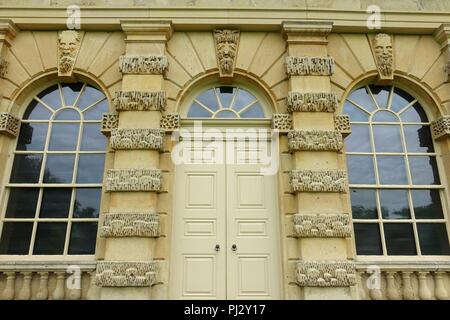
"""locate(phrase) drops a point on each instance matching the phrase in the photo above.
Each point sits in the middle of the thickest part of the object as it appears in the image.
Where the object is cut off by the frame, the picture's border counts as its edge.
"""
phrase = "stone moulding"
(140, 101)
(342, 124)
(143, 64)
(326, 273)
(312, 102)
(170, 121)
(69, 43)
(309, 66)
(133, 180)
(126, 274)
(9, 125)
(322, 225)
(110, 121)
(282, 122)
(3, 67)
(226, 44)
(137, 139)
(315, 140)
(130, 224)
(318, 180)
(441, 127)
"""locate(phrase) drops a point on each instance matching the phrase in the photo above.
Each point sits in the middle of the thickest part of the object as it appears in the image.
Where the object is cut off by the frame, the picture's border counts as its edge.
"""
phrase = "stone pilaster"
(131, 227)
(321, 224)
(442, 36)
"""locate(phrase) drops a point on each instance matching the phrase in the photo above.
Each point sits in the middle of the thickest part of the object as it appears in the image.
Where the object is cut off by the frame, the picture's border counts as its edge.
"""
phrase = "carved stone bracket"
(126, 274)
(130, 224)
(315, 140)
(312, 102)
(326, 273)
(318, 180)
(226, 44)
(309, 66)
(133, 180)
(110, 121)
(3, 67)
(282, 122)
(384, 56)
(170, 122)
(440, 128)
(342, 124)
(69, 42)
(143, 64)
(322, 225)
(9, 125)
(140, 101)
(137, 139)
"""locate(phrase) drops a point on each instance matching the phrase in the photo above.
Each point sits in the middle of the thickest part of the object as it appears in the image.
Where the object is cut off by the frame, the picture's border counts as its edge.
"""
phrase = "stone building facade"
(94, 204)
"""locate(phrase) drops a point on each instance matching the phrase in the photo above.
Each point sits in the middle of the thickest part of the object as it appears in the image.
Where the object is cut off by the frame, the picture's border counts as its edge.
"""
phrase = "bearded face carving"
(384, 55)
(68, 45)
(227, 42)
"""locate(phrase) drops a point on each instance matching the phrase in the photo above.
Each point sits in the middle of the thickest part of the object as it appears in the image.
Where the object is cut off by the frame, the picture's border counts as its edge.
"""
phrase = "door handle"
(234, 247)
(217, 248)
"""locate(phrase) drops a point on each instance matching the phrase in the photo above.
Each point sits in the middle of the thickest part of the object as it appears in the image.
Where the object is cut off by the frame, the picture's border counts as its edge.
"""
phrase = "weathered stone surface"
(314, 66)
(140, 101)
(170, 121)
(137, 139)
(133, 180)
(143, 64)
(318, 180)
(312, 102)
(322, 225)
(110, 121)
(130, 224)
(282, 122)
(9, 125)
(69, 42)
(342, 124)
(441, 127)
(315, 140)
(326, 273)
(125, 274)
(226, 43)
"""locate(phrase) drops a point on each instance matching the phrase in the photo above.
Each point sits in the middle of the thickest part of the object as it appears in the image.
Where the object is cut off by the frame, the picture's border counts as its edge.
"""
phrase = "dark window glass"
(360, 169)
(400, 99)
(399, 239)
(226, 95)
(433, 239)
(209, 99)
(414, 113)
(427, 204)
(363, 99)
(364, 204)
(26, 168)
(50, 238)
(70, 92)
(355, 113)
(87, 203)
(381, 95)
(367, 238)
(387, 138)
(22, 202)
(359, 140)
(418, 138)
(424, 170)
(89, 96)
(391, 170)
(32, 136)
(67, 114)
(64, 136)
(90, 168)
(59, 168)
(16, 237)
(93, 139)
(55, 203)
(394, 204)
(37, 111)
(96, 112)
(82, 238)
(51, 97)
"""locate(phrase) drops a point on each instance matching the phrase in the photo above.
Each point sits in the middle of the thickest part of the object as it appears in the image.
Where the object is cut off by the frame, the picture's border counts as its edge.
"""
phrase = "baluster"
(408, 293)
(75, 293)
(9, 291)
(93, 291)
(42, 293)
(361, 291)
(25, 291)
(58, 293)
(374, 285)
(440, 291)
(424, 291)
(391, 290)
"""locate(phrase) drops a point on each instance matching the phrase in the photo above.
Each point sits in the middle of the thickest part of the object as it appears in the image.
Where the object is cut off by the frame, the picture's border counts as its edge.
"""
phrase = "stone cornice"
(147, 31)
(306, 32)
(8, 31)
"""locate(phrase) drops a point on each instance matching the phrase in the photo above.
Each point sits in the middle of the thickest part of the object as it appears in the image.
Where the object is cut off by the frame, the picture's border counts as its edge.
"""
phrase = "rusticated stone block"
(110, 121)
(133, 180)
(137, 139)
(326, 273)
(9, 125)
(315, 140)
(441, 127)
(130, 224)
(140, 101)
(322, 225)
(312, 102)
(342, 124)
(282, 122)
(318, 180)
(126, 274)
(305, 66)
(143, 64)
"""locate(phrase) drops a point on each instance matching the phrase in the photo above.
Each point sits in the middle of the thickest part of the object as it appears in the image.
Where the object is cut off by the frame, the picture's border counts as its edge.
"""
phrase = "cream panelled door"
(225, 233)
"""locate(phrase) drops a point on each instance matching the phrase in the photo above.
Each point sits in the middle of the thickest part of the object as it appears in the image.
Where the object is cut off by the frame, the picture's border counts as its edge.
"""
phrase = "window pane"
(16, 237)
(22, 202)
(55, 203)
(87, 203)
(255, 111)
(427, 204)
(399, 239)
(400, 99)
(367, 238)
(32, 136)
(414, 113)
(50, 238)
(82, 238)
(93, 139)
(355, 113)
(387, 138)
(394, 204)
(67, 114)
(70, 92)
(226, 95)
(363, 99)
(36, 111)
(381, 95)
(59, 168)
(418, 138)
(384, 116)
(243, 98)
(424, 170)
(96, 112)
(64, 136)
(26, 168)
(209, 99)
(89, 96)
(364, 204)
(90, 168)
(51, 97)
(433, 239)
(391, 170)
(360, 169)
(359, 140)
(197, 111)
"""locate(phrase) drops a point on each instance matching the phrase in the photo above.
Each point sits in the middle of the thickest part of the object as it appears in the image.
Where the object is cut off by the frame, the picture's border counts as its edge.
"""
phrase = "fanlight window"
(53, 194)
(226, 102)
(396, 190)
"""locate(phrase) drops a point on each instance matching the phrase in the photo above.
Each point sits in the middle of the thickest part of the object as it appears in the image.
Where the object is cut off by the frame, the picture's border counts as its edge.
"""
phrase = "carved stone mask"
(68, 41)
(383, 46)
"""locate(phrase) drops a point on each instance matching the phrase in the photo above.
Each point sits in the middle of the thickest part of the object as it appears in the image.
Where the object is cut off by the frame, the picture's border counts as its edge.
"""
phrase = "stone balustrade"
(403, 281)
(48, 281)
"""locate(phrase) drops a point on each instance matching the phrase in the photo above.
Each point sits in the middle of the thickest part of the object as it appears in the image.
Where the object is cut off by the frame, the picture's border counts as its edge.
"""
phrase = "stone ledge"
(133, 180)
(309, 66)
(322, 225)
(140, 101)
(126, 274)
(9, 125)
(315, 140)
(130, 224)
(143, 64)
(312, 102)
(440, 128)
(318, 180)
(326, 273)
(137, 139)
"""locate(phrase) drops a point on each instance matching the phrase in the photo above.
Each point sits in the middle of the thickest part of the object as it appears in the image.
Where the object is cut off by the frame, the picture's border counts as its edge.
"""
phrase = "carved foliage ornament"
(68, 47)
(133, 180)
(318, 180)
(9, 125)
(326, 274)
(282, 122)
(130, 224)
(3, 67)
(126, 274)
(309, 66)
(140, 100)
(322, 225)
(137, 139)
(384, 56)
(441, 127)
(227, 43)
(143, 64)
(315, 140)
(312, 102)
(110, 121)
(170, 121)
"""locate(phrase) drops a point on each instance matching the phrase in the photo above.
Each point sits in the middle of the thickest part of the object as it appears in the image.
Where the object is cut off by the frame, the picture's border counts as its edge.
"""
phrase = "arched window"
(226, 102)
(53, 193)
(397, 195)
